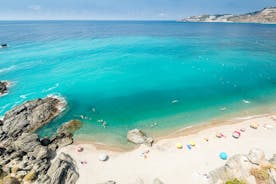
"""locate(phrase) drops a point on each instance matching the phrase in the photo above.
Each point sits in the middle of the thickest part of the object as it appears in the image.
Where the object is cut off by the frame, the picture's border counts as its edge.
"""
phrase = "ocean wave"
(51, 88)
(4, 107)
(8, 69)
(63, 103)
(24, 96)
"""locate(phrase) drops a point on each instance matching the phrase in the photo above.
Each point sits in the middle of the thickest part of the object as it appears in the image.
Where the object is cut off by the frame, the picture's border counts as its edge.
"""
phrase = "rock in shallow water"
(3, 87)
(136, 136)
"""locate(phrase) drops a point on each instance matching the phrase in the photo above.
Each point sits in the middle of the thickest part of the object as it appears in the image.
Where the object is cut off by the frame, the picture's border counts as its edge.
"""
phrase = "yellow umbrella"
(192, 143)
(179, 145)
(254, 125)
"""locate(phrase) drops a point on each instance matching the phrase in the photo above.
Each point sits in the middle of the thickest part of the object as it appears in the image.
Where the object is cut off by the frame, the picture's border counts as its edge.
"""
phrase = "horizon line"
(89, 20)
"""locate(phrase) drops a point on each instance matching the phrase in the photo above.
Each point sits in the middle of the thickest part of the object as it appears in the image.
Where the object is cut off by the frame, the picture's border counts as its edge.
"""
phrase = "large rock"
(29, 117)
(252, 168)
(64, 135)
(237, 166)
(256, 156)
(62, 171)
(3, 87)
(136, 136)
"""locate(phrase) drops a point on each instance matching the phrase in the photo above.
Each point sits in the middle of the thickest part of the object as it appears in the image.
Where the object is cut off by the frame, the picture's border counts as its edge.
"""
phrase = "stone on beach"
(136, 136)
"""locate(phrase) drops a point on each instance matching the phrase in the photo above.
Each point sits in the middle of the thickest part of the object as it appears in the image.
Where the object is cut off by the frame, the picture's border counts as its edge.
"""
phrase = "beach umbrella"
(223, 156)
(236, 134)
(179, 146)
(192, 143)
(220, 135)
(254, 126)
(103, 157)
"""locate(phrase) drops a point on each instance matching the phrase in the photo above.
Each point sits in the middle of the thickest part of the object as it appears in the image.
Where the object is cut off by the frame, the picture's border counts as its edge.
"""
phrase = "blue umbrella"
(223, 156)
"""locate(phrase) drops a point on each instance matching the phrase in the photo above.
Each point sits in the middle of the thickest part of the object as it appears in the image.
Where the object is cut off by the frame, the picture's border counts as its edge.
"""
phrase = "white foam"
(51, 88)
(62, 102)
(4, 70)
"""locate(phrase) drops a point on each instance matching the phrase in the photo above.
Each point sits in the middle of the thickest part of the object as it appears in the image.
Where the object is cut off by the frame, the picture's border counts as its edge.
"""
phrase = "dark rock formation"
(138, 137)
(3, 87)
(26, 157)
(252, 168)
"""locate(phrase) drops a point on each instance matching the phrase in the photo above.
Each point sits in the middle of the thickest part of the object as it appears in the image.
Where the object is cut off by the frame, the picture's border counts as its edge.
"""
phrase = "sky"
(123, 9)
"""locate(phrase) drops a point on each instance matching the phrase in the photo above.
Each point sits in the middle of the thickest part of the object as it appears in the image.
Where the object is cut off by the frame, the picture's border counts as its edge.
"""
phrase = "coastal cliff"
(26, 158)
(266, 15)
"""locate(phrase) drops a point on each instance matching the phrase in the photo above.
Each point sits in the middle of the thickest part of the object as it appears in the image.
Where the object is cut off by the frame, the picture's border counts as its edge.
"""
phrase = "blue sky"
(123, 9)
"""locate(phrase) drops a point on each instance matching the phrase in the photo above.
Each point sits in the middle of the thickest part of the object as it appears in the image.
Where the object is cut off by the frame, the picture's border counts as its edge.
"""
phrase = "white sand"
(172, 165)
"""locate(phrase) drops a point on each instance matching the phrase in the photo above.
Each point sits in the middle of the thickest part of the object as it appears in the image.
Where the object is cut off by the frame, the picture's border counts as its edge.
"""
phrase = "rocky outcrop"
(26, 157)
(252, 168)
(3, 87)
(136, 136)
(62, 171)
(267, 15)
(29, 117)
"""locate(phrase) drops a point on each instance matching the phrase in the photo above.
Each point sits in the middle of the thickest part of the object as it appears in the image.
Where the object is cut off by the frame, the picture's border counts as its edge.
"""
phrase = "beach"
(172, 165)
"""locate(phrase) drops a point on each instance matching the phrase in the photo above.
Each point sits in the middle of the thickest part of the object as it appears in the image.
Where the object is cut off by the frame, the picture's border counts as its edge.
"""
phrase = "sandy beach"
(173, 165)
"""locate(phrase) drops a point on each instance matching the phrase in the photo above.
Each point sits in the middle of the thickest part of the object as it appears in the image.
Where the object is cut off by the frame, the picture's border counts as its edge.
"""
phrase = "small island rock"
(136, 136)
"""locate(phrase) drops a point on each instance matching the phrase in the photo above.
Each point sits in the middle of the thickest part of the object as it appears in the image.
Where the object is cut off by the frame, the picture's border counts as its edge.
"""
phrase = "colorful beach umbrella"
(223, 156)
(236, 134)
(192, 143)
(179, 146)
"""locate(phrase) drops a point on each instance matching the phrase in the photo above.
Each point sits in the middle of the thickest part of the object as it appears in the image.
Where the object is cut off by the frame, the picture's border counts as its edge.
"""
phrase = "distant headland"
(266, 15)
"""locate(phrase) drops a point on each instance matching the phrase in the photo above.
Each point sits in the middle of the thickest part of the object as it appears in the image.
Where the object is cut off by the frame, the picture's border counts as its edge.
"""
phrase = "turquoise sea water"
(129, 74)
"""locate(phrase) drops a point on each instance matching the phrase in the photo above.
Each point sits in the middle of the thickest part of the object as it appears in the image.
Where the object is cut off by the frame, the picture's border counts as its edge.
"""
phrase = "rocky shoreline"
(26, 158)
(251, 168)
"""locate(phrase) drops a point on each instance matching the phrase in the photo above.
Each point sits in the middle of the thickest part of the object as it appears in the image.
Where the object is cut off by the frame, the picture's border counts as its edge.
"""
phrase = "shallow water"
(157, 76)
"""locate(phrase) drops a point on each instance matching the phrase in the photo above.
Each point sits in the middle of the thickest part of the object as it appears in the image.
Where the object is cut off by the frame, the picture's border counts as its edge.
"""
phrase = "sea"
(158, 76)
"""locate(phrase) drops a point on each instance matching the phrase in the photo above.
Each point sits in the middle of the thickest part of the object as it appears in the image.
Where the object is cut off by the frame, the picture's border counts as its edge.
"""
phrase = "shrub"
(30, 176)
(260, 174)
(235, 181)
